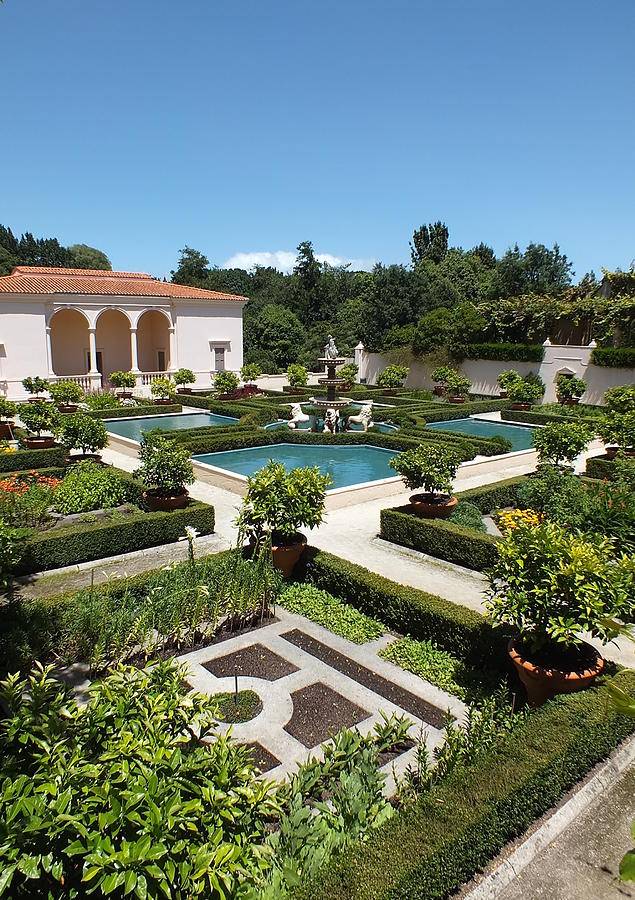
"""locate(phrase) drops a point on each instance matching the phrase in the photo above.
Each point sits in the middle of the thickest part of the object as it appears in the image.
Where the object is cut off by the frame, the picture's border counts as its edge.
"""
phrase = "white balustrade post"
(172, 363)
(133, 350)
(49, 351)
(92, 351)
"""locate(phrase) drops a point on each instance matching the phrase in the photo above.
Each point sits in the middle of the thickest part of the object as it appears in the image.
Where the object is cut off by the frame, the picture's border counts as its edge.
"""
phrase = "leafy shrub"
(297, 375)
(103, 400)
(525, 391)
(280, 502)
(164, 388)
(66, 393)
(442, 374)
(39, 417)
(425, 659)
(509, 376)
(432, 468)
(457, 385)
(12, 541)
(184, 376)
(620, 399)
(165, 465)
(330, 612)
(250, 372)
(7, 408)
(26, 498)
(508, 520)
(469, 516)
(559, 443)
(123, 380)
(225, 382)
(614, 357)
(511, 352)
(89, 486)
(35, 385)
(618, 429)
(392, 376)
(21, 460)
(569, 387)
(81, 431)
(348, 372)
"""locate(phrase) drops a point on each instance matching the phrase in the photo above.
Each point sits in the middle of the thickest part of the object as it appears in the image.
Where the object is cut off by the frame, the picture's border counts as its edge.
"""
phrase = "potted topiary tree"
(559, 443)
(225, 384)
(392, 377)
(569, 389)
(523, 393)
(617, 430)
(457, 387)
(551, 586)
(249, 373)
(440, 377)
(7, 411)
(620, 399)
(506, 378)
(39, 417)
(80, 431)
(349, 373)
(277, 504)
(183, 378)
(432, 468)
(297, 375)
(166, 468)
(35, 386)
(124, 382)
(163, 390)
(66, 395)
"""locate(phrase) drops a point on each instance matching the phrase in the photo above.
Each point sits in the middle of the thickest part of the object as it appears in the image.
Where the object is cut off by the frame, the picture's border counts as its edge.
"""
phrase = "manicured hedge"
(601, 468)
(443, 540)
(493, 496)
(463, 410)
(81, 543)
(425, 616)
(506, 352)
(427, 850)
(23, 460)
(614, 357)
(536, 417)
(129, 412)
(237, 409)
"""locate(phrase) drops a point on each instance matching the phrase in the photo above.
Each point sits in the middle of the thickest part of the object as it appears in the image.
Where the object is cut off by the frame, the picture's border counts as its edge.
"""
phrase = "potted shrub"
(7, 411)
(506, 378)
(432, 468)
(551, 586)
(392, 377)
(81, 431)
(523, 393)
(569, 389)
(183, 378)
(348, 374)
(620, 399)
(440, 377)
(457, 387)
(66, 395)
(39, 417)
(124, 382)
(277, 504)
(617, 430)
(250, 372)
(35, 386)
(225, 383)
(559, 443)
(297, 375)
(166, 468)
(163, 391)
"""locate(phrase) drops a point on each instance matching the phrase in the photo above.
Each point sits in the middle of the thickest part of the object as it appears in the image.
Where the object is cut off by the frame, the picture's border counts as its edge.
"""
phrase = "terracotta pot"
(569, 401)
(164, 401)
(502, 394)
(438, 391)
(457, 399)
(286, 556)
(428, 508)
(612, 451)
(165, 503)
(124, 395)
(37, 400)
(67, 407)
(542, 684)
(184, 390)
(85, 457)
(6, 430)
(39, 443)
(523, 406)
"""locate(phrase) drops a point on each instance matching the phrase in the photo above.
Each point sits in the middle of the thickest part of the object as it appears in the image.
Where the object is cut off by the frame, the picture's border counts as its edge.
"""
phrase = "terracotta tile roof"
(43, 280)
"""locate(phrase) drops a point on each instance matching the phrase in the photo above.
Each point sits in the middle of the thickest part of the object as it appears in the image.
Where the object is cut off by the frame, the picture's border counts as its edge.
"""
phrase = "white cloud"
(284, 260)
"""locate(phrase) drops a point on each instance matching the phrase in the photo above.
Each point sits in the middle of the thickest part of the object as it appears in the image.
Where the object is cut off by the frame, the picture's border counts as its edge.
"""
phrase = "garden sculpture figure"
(297, 416)
(331, 420)
(364, 417)
(330, 350)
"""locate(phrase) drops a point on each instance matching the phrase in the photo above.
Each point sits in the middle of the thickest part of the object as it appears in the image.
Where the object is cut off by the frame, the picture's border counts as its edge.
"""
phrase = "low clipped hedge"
(131, 412)
(462, 410)
(614, 357)
(600, 467)
(443, 540)
(427, 850)
(493, 496)
(506, 352)
(23, 460)
(536, 417)
(238, 409)
(80, 543)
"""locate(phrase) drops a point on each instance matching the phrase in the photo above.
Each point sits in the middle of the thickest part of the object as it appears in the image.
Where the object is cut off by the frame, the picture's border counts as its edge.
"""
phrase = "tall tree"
(84, 257)
(193, 267)
(429, 242)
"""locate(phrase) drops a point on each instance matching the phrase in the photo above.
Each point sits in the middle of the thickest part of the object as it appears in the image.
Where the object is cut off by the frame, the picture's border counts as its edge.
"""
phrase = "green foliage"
(614, 357)
(509, 376)
(277, 331)
(140, 735)
(35, 385)
(551, 585)
(165, 465)
(618, 429)
(88, 486)
(39, 417)
(250, 372)
(348, 372)
(184, 376)
(620, 399)
(80, 431)
(426, 660)
(457, 385)
(7, 408)
(65, 393)
(432, 468)
(12, 542)
(442, 374)
(559, 443)
(433, 331)
(525, 391)
(569, 387)
(233, 708)
(103, 400)
(469, 516)
(21, 460)
(330, 612)
(297, 375)
(163, 388)
(280, 502)
(392, 376)
(123, 379)
(505, 352)
(84, 257)
(122, 412)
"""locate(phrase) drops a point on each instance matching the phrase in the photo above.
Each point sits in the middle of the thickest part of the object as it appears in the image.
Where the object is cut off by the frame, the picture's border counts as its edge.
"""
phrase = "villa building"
(83, 324)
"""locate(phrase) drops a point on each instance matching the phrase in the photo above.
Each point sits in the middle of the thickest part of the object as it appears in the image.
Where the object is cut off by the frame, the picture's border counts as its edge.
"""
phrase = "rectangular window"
(219, 359)
(160, 360)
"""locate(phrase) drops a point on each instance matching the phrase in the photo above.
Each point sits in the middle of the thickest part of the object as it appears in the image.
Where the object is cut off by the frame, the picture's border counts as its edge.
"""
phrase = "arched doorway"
(153, 341)
(69, 342)
(113, 342)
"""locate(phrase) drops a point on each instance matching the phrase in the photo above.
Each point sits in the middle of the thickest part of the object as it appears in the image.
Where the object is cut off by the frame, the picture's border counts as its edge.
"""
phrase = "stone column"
(133, 350)
(49, 351)
(172, 364)
(92, 351)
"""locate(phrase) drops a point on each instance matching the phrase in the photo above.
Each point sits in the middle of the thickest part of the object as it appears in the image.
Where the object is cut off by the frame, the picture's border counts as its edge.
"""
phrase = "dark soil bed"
(409, 702)
(255, 661)
(240, 707)
(319, 712)
(264, 761)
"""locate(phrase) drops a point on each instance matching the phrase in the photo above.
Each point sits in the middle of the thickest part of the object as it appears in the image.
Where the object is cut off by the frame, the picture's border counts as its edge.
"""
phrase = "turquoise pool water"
(347, 465)
(134, 428)
(521, 437)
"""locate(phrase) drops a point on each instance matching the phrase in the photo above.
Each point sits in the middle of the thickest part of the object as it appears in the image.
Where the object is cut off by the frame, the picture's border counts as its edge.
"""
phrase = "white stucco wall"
(22, 343)
(201, 326)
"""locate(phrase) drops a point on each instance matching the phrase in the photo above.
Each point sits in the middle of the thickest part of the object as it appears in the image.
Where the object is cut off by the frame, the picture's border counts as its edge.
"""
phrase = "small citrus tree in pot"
(39, 417)
(250, 372)
(277, 504)
(297, 375)
(617, 430)
(569, 389)
(124, 382)
(392, 377)
(66, 395)
(183, 378)
(440, 377)
(7, 411)
(349, 373)
(166, 468)
(559, 443)
(458, 387)
(524, 392)
(551, 586)
(432, 468)
(81, 431)
(35, 386)
(163, 390)
(507, 378)
(225, 382)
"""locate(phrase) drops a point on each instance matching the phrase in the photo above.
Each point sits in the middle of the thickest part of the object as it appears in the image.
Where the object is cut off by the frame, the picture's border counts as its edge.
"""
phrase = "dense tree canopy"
(31, 251)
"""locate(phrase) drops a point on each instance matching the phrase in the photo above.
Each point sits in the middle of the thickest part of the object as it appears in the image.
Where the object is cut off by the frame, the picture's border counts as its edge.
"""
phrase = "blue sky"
(242, 127)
